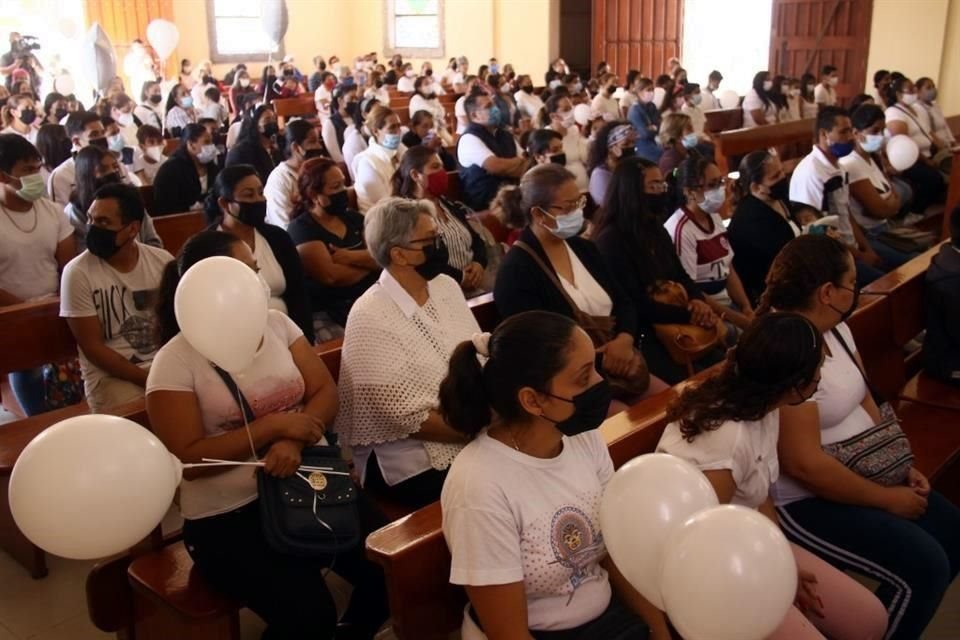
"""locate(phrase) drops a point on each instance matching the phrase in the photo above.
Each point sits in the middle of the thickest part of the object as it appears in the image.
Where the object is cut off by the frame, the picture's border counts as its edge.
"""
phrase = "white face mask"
(646, 96)
(834, 81)
(696, 99)
(244, 82)
(767, 85)
(566, 118)
(909, 99)
(794, 92)
(125, 119)
(154, 153)
(410, 73)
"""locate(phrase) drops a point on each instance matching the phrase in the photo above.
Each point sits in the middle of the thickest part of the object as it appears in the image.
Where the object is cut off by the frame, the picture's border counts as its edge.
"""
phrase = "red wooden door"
(636, 34)
(808, 34)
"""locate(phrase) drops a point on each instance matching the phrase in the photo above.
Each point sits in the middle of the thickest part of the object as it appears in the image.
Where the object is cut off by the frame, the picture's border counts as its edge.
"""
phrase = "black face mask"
(102, 242)
(589, 409)
(611, 91)
(99, 142)
(780, 190)
(60, 114)
(559, 158)
(527, 88)
(270, 129)
(657, 203)
(844, 315)
(155, 99)
(338, 203)
(435, 261)
(110, 178)
(312, 153)
(251, 213)
(28, 116)
(627, 152)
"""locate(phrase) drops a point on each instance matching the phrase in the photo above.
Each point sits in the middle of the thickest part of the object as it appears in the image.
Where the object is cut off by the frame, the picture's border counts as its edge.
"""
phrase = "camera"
(25, 44)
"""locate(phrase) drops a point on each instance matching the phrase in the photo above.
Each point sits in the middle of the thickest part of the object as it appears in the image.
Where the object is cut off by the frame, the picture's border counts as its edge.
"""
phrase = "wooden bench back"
(147, 195)
(33, 334)
(719, 120)
(177, 228)
(300, 106)
(732, 145)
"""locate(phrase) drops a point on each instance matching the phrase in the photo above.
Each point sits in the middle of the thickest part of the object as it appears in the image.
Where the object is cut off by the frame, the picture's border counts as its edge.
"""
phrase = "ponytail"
(167, 325)
(463, 398)
(507, 206)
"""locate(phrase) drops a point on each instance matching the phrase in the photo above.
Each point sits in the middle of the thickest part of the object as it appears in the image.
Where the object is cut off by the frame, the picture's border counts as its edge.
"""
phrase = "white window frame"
(389, 35)
(250, 56)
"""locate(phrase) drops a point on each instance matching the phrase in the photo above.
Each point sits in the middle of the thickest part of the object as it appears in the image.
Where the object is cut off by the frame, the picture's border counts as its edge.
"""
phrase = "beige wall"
(516, 31)
(918, 38)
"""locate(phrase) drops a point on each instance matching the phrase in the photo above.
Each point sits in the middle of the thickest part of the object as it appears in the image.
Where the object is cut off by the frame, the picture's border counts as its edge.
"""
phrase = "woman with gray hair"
(399, 337)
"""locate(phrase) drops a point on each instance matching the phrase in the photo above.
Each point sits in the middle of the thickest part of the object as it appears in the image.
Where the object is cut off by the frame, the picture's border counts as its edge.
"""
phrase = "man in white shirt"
(108, 296)
(819, 182)
(458, 108)
(692, 99)
(148, 155)
(462, 77)
(710, 99)
(528, 103)
(324, 94)
(84, 128)
(825, 93)
(489, 155)
(603, 102)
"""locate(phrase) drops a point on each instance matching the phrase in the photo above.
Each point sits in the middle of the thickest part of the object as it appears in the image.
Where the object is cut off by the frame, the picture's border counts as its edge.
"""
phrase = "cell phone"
(127, 155)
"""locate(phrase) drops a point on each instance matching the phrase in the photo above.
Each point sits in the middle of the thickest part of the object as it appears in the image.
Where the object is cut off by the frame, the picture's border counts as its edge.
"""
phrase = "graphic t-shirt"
(705, 253)
(28, 249)
(122, 302)
(533, 520)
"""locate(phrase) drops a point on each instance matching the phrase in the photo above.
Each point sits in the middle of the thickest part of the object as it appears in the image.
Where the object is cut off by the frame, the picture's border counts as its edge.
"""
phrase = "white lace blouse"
(395, 354)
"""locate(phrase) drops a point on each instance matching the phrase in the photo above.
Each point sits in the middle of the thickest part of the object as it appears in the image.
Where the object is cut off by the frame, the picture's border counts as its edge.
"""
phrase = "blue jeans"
(891, 257)
(914, 560)
(27, 386)
(866, 274)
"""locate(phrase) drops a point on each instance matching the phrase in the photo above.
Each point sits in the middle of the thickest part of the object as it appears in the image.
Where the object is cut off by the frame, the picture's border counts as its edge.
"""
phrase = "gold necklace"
(14, 223)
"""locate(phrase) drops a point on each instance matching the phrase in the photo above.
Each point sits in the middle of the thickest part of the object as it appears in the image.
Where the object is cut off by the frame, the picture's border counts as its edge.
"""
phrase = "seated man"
(488, 154)
(825, 93)
(84, 128)
(941, 349)
(108, 297)
(820, 182)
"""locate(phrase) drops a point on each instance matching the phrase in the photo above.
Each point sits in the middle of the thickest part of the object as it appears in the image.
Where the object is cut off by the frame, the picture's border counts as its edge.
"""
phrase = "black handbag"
(313, 513)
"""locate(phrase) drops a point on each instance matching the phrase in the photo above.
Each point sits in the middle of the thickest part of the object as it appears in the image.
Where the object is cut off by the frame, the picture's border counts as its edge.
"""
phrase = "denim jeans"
(891, 257)
(27, 387)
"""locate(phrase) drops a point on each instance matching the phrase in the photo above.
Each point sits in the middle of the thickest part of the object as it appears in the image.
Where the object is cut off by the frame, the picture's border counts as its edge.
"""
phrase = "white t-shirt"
(270, 271)
(838, 399)
(405, 84)
(825, 95)
(150, 169)
(859, 168)
(233, 132)
(329, 134)
(627, 100)
(509, 517)
(753, 101)
(419, 103)
(272, 384)
(816, 182)
(710, 101)
(123, 303)
(62, 181)
(529, 104)
(31, 135)
(939, 123)
(460, 111)
(697, 118)
(374, 168)
(471, 150)
(279, 191)
(706, 254)
(576, 148)
(585, 291)
(608, 108)
(321, 98)
(28, 258)
(147, 114)
(353, 145)
(917, 121)
(747, 449)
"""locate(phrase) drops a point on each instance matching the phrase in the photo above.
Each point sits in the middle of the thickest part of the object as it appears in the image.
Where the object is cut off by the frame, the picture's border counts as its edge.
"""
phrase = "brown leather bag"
(599, 328)
(686, 343)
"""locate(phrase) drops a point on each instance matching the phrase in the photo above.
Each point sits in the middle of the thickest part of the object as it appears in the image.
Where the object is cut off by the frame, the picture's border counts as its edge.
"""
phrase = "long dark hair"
(54, 145)
(203, 245)
(339, 124)
(777, 354)
(416, 158)
(250, 129)
(752, 169)
(599, 151)
(804, 265)
(87, 163)
(227, 181)
(805, 81)
(895, 86)
(627, 207)
(526, 350)
(690, 176)
(758, 80)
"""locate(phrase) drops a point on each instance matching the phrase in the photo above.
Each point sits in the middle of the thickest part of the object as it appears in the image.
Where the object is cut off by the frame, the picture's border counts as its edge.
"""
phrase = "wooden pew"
(177, 228)
(733, 145)
(719, 120)
(147, 196)
(286, 108)
(953, 191)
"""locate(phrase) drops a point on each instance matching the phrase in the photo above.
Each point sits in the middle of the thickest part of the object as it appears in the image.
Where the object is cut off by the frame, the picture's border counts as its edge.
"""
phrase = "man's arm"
(89, 337)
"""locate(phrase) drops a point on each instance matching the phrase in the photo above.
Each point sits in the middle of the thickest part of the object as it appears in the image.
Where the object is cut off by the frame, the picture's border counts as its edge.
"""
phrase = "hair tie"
(619, 133)
(481, 342)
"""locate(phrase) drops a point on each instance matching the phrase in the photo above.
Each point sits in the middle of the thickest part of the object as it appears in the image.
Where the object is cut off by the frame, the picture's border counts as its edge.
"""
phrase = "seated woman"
(343, 111)
(728, 427)
(645, 118)
(54, 146)
(637, 249)
(557, 115)
(761, 224)
(545, 146)
(179, 112)
(613, 142)
(531, 408)
(329, 238)
(874, 197)
(187, 176)
(356, 139)
(280, 190)
(421, 176)
(425, 99)
(374, 167)
(700, 240)
(399, 338)
(422, 132)
(257, 144)
(927, 94)
(678, 139)
(195, 416)
(550, 268)
(903, 535)
(97, 167)
(759, 107)
(808, 105)
(237, 206)
(905, 116)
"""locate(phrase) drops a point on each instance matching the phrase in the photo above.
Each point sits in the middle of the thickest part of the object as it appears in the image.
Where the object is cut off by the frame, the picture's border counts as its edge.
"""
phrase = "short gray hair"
(390, 223)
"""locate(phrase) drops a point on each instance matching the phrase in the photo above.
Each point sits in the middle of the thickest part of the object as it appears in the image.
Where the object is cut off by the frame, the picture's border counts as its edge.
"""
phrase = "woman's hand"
(905, 502)
(282, 458)
(472, 275)
(302, 427)
(701, 314)
(807, 599)
(618, 355)
(918, 482)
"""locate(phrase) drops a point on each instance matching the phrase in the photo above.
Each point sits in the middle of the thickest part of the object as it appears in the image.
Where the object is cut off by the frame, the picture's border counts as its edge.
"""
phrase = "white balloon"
(163, 36)
(581, 114)
(721, 563)
(729, 99)
(98, 59)
(63, 84)
(221, 307)
(902, 152)
(91, 486)
(645, 501)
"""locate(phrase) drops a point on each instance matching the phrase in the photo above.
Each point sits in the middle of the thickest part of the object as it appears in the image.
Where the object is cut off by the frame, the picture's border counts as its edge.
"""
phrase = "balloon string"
(246, 424)
(213, 462)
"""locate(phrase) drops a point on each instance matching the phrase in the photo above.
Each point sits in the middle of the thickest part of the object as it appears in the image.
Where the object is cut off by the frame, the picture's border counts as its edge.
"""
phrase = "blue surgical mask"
(568, 225)
(713, 199)
(493, 118)
(873, 143)
(115, 143)
(690, 140)
(841, 149)
(207, 154)
(186, 102)
(391, 141)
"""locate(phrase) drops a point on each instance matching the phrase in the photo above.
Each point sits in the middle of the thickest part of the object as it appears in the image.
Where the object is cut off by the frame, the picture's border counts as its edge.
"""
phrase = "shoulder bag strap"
(873, 392)
(915, 121)
(550, 273)
(235, 391)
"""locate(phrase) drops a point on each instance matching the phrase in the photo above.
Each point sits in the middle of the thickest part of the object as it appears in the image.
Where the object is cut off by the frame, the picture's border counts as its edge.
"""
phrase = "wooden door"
(808, 34)
(575, 29)
(636, 34)
(126, 20)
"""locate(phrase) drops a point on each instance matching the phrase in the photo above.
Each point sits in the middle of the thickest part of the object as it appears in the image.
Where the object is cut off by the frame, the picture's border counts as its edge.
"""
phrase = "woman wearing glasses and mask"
(399, 337)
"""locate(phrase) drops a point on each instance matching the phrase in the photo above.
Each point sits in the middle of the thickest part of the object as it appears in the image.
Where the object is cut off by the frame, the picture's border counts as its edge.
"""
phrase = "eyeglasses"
(658, 186)
(434, 240)
(569, 207)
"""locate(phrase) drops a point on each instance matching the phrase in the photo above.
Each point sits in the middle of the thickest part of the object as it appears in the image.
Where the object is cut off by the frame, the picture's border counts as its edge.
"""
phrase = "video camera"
(25, 44)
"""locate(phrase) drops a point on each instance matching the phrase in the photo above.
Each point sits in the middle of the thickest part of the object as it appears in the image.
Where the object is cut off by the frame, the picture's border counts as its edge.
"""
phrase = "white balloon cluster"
(702, 563)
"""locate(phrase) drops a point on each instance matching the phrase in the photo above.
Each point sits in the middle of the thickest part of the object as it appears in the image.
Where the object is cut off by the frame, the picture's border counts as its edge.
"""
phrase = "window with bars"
(414, 28)
(236, 32)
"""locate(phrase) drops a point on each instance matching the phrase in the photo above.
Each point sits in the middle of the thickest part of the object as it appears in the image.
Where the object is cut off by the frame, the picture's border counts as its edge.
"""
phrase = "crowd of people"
(621, 225)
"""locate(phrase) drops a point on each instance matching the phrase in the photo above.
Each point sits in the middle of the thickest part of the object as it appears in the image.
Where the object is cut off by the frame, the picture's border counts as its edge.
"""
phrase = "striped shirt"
(178, 117)
(457, 238)
(704, 253)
